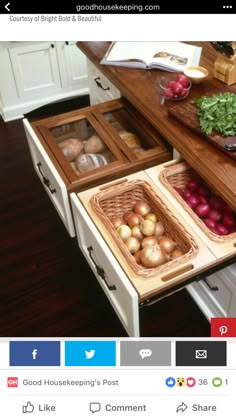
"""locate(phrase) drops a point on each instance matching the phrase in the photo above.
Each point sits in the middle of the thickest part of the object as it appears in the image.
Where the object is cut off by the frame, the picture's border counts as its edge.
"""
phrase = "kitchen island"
(141, 88)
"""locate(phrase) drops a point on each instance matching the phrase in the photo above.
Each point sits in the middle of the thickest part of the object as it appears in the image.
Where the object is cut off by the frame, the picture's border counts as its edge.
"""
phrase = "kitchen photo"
(118, 193)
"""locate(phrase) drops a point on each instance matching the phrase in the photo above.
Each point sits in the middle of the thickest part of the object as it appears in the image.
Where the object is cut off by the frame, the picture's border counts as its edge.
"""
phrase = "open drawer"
(85, 148)
(172, 179)
(101, 205)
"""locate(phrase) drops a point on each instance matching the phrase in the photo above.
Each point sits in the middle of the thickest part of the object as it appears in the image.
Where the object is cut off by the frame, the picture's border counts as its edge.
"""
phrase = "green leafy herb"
(217, 113)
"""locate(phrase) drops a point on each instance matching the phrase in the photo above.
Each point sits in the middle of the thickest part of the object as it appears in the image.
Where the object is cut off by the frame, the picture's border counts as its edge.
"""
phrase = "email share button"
(201, 353)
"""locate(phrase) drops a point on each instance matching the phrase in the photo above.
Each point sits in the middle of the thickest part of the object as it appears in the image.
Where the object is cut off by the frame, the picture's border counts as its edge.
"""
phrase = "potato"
(94, 144)
(71, 148)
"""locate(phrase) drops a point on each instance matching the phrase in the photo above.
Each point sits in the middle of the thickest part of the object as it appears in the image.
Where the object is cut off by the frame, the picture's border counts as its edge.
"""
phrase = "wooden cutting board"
(186, 113)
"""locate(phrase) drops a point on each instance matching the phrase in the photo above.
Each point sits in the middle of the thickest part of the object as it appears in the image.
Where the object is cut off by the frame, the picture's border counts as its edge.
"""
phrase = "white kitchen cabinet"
(50, 178)
(216, 294)
(100, 87)
(72, 65)
(117, 287)
(33, 74)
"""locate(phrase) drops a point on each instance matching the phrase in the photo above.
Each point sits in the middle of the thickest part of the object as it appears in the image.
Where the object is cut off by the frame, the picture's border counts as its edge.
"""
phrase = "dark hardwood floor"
(46, 286)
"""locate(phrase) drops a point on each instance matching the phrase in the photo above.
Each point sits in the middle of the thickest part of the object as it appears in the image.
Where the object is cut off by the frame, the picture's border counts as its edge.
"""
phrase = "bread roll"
(87, 162)
(71, 148)
(130, 139)
(94, 144)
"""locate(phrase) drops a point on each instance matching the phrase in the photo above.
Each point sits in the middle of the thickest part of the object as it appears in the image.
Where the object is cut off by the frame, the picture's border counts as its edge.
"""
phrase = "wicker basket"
(116, 201)
(178, 176)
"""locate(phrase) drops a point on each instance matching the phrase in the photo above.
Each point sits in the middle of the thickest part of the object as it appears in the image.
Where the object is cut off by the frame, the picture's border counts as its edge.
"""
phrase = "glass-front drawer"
(95, 143)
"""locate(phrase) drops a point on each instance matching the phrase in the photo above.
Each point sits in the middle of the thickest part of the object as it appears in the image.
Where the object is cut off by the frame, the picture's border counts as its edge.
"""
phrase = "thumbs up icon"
(28, 408)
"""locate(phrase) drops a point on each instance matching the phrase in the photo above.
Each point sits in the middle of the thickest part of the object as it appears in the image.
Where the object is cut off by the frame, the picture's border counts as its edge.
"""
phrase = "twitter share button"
(90, 353)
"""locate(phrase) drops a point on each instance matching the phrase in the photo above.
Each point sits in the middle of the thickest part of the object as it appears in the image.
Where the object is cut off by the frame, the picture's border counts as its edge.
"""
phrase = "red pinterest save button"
(223, 327)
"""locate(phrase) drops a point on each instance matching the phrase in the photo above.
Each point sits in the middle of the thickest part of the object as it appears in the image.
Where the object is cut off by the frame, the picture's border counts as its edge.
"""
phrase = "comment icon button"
(95, 407)
(145, 353)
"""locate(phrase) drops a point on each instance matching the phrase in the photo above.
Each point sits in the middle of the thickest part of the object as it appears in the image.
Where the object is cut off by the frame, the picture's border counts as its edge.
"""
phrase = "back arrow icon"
(182, 407)
(6, 7)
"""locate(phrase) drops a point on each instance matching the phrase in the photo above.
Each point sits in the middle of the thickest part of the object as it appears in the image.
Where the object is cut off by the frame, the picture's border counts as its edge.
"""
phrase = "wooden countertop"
(141, 88)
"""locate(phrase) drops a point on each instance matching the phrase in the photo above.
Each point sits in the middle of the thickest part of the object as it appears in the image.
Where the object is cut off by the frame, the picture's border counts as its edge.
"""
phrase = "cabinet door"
(50, 178)
(35, 68)
(73, 66)
(108, 272)
(100, 88)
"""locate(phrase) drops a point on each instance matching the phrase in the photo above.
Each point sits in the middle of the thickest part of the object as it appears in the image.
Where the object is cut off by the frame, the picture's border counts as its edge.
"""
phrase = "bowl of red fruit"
(175, 86)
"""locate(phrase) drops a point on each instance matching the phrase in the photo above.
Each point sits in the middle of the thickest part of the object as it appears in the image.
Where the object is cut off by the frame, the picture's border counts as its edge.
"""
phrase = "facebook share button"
(35, 353)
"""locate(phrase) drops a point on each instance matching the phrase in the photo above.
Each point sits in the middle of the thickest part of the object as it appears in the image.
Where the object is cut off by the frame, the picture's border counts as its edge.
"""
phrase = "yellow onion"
(117, 221)
(124, 232)
(149, 240)
(159, 229)
(176, 253)
(167, 244)
(151, 216)
(152, 256)
(133, 244)
(136, 233)
(147, 227)
(142, 208)
(137, 256)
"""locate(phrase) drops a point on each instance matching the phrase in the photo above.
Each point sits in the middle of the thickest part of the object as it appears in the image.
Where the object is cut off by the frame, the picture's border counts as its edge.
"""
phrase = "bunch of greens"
(217, 113)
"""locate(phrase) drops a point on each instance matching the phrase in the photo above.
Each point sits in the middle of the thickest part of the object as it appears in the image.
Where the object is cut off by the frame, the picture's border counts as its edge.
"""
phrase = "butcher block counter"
(141, 88)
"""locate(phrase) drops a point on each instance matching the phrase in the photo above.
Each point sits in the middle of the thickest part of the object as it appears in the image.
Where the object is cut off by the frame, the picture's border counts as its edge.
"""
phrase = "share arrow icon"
(182, 407)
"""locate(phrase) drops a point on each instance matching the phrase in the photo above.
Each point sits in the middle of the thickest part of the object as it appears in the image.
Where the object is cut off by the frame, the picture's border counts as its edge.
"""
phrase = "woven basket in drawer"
(116, 201)
(178, 176)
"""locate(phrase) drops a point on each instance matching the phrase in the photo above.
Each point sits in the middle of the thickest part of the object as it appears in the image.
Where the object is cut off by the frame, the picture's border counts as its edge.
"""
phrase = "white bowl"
(196, 74)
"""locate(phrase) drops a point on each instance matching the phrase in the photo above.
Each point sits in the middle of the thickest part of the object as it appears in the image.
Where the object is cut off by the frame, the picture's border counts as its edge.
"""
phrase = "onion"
(210, 223)
(147, 227)
(229, 220)
(149, 240)
(202, 199)
(133, 244)
(142, 208)
(227, 208)
(117, 221)
(187, 194)
(151, 216)
(124, 232)
(136, 233)
(215, 215)
(222, 229)
(176, 253)
(137, 257)
(193, 184)
(179, 191)
(127, 215)
(152, 256)
(134, 220)
(203, 210)
(193, 201)
(167, 244)
(216, 202)
(202, 190)
(159, 229)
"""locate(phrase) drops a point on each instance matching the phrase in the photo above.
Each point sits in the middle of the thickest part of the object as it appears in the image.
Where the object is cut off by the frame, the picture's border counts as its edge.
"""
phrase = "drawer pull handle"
(45, 180)
(100, 270)
(52, 46)
(213, 288)
(99, 84)
(67, 42)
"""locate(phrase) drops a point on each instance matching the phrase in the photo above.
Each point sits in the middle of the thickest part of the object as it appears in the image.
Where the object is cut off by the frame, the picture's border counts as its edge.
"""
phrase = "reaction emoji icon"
(180, 382)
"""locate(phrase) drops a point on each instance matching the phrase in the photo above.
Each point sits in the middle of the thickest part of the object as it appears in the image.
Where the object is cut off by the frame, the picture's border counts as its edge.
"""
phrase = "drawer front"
(217, 295)
(108, 272)
(50, 178)
(100, 85)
